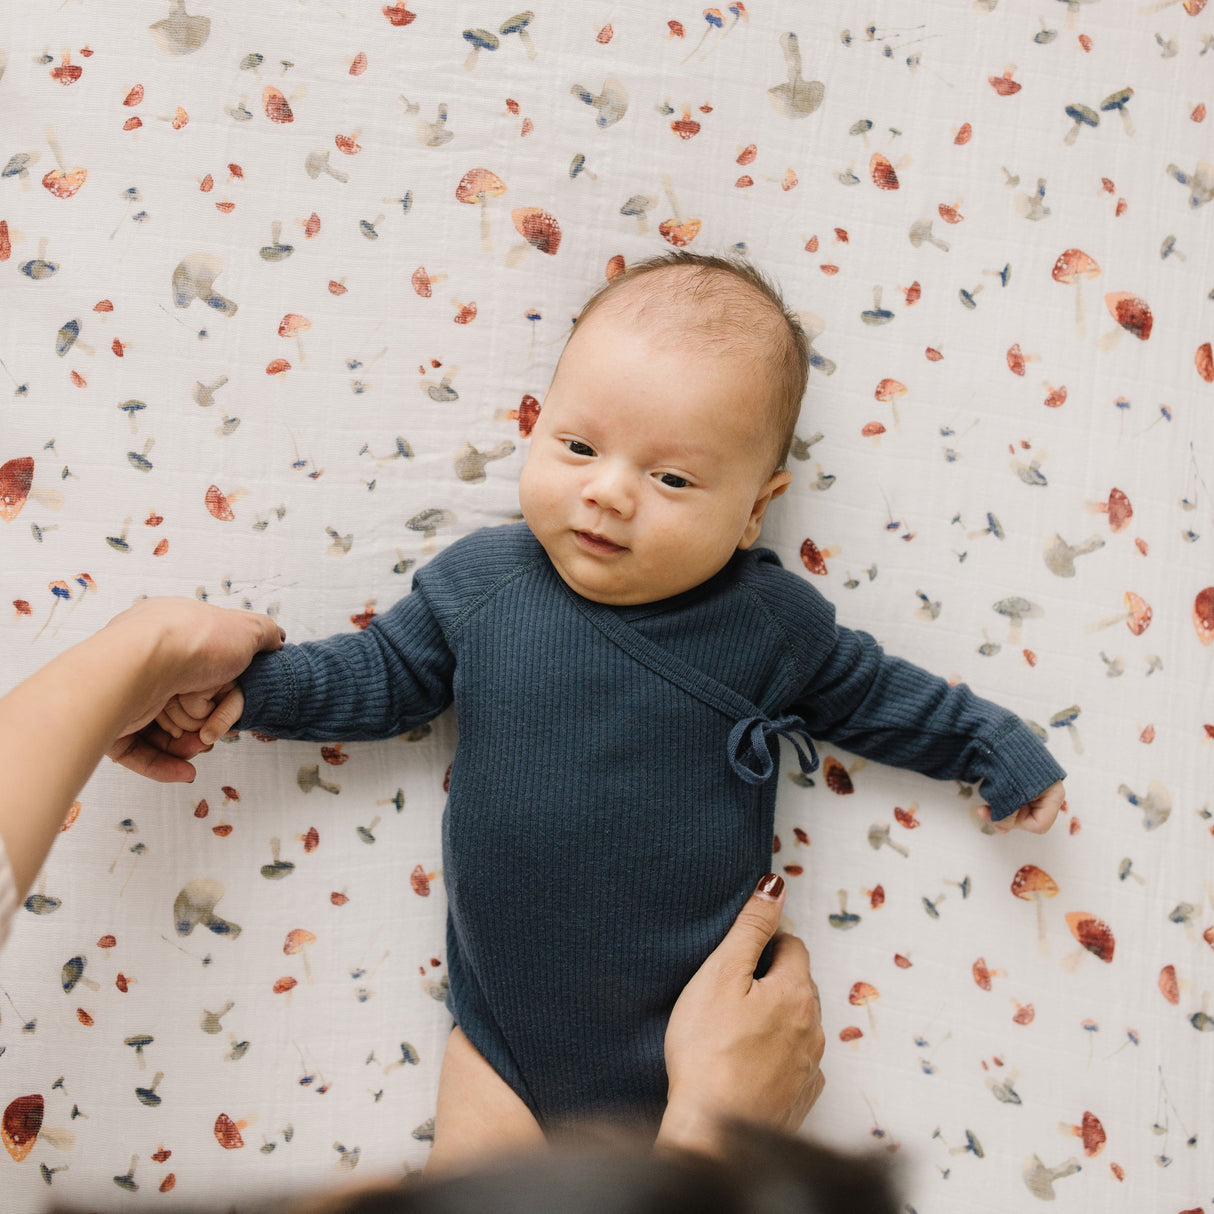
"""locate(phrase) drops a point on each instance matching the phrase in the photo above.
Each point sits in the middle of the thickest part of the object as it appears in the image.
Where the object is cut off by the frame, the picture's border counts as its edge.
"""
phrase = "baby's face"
(648, 466)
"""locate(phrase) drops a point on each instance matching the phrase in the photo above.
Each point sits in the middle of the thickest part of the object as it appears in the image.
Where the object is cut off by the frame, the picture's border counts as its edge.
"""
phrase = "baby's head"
(663, 435)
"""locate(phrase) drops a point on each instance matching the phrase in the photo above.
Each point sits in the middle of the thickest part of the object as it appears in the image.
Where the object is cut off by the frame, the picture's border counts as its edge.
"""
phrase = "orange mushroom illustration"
(677, 231)
(475, 188)
(1071, 268)
(292, 325)
(1137, 616)
(299, 941)
(1169, 986)
(888, 391)
(219, 504)
(864, 994)
(1033, 884)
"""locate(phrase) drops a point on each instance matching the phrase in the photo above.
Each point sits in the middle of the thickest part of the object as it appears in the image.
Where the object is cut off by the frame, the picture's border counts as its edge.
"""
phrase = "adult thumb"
(754, 927)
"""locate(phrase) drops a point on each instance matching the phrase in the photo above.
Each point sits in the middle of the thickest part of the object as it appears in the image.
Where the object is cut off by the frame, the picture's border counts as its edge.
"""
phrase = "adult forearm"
(54, 728)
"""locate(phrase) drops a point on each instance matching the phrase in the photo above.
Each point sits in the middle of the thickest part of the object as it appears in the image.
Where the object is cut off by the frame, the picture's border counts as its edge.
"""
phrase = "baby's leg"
(479, 1114)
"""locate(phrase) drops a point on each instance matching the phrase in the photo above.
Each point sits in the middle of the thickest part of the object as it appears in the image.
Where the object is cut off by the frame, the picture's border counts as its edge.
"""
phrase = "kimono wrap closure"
(581, 908)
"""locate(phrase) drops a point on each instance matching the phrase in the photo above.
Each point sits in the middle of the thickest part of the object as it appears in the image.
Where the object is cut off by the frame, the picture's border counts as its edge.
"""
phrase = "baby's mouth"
(597, 543)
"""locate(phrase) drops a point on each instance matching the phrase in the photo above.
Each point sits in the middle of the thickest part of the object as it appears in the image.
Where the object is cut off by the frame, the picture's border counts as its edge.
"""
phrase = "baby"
(623, 664)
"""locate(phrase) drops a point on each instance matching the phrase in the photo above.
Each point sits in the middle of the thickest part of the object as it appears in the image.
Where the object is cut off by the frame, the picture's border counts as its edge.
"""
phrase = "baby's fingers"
(226, 714)
(184, 714)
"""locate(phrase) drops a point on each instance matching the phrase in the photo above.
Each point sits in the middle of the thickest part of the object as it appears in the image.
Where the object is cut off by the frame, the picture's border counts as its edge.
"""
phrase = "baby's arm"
(890, 710)
(479, 1115)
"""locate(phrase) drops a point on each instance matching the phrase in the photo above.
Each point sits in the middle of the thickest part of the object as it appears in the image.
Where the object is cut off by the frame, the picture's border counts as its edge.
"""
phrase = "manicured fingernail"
(770, 887)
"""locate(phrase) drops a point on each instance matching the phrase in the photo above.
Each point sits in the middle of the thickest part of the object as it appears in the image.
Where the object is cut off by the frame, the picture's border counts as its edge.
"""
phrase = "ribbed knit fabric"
(597, 841)
(8, 895)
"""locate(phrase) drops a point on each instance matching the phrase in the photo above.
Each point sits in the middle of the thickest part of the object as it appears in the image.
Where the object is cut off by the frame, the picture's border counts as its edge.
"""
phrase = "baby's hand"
(209, 713)
(1037, 816)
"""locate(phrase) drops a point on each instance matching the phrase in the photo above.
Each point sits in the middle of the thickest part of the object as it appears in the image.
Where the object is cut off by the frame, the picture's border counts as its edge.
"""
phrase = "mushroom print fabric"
(282, 287)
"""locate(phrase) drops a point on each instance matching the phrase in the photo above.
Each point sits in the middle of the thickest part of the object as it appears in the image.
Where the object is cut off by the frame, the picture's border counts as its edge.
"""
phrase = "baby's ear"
(774, 487)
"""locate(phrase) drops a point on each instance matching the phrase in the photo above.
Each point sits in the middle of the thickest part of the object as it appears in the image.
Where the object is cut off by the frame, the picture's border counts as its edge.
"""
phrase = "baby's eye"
(577, 447)
(671, 481)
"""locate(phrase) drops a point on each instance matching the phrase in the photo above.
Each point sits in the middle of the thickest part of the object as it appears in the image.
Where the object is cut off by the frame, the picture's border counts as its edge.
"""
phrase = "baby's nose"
(609, 489)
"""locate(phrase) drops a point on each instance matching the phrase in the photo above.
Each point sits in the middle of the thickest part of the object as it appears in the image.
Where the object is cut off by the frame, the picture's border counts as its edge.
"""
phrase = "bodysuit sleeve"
(884, 708)
(391, 677)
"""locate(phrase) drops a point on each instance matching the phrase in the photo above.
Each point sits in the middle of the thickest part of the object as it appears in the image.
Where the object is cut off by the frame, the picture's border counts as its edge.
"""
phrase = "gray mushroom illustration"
(1039, 1180)
(148, 1096)
(611, 103)
(1017, 610)
(212, 1022)
(1200, 182)
(845, 919)
(1080, 116)
(470, 463)
(429, 521)
(1060, 556)
(194, 278)
(138, 1043)
(479, 40)
(797, 97)
(878, 837)
(318, 162)
(1065, 719)
(203, 394)
(1156, 805)
(921, 230)
(639, 205)
(130, 408)
(73, 972)
(195, 905)
(308, 778)
(180, 33)
(1118, 101)
(17, 164)
(519, 24)
(276, 250)
(435, 134)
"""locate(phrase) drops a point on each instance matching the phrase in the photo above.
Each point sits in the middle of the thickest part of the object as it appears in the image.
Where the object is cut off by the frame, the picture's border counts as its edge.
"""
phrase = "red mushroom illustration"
(16, 477)
(1132, 313)
(864, 994)
(850, 1033)
(62, 182)
(219, 504)
(1117, 507)
(1203, 360)
(475, 188)
(21, 1124)
(1169, 987)
(1094, 934)
(814, 558)
(882, 172)
(1203, 615)
(1091, 1131)
(539, 230)
(1033, 884)
(276, 106)
(983, 974)
(423, 282)
(227, 1132)
(1071, 268)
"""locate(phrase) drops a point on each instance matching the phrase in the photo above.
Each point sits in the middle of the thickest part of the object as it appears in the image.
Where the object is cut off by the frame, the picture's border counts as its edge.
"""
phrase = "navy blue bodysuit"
(612, 796)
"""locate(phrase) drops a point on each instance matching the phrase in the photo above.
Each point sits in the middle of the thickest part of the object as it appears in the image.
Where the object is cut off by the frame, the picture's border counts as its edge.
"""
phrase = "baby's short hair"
(729, 305)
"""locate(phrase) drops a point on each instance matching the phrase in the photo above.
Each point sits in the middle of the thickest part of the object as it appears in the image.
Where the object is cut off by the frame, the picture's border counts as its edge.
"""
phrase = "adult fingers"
(226, 714)
(755, 925)
(137, 754)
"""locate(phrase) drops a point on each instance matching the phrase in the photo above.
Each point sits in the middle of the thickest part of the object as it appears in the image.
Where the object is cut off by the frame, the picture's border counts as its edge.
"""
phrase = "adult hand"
(195, 647)
(740, 1047)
